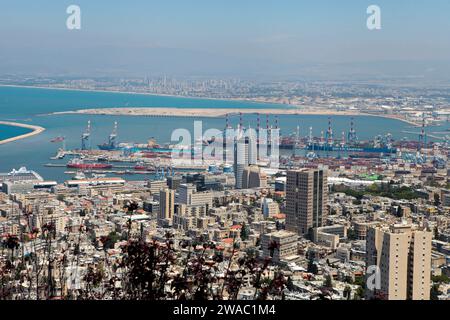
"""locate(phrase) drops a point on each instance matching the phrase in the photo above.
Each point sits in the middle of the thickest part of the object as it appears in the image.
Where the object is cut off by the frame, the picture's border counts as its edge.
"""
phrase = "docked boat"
(79, 164)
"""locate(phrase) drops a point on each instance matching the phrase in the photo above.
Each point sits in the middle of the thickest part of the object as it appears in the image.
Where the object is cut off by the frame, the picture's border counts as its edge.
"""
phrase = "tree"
(290, 284)
(359, 294)
(347, 292)
(399, 212)
(110, 240)
(312, 266)
(436, 233)
(348, 279)
(435, 292)
(244, 232)
(351, 234)
(328, 283)
(437, 200)
(441, 279)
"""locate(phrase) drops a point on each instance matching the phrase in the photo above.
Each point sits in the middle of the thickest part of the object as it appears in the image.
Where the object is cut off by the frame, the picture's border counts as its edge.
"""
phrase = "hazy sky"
(171, 35)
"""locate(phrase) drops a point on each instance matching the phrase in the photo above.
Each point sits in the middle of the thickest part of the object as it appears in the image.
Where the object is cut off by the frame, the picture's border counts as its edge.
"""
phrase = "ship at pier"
(351, 149)
(325, 143)
(79, 164)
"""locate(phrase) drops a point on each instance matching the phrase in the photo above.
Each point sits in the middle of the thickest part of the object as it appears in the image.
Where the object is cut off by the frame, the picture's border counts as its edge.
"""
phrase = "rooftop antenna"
(276, 121)
(267, 121)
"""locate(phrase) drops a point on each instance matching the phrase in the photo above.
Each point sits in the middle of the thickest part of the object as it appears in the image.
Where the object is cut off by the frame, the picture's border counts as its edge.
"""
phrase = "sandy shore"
(255, 102)
(203, 112)
(36, 130)
(218, 113)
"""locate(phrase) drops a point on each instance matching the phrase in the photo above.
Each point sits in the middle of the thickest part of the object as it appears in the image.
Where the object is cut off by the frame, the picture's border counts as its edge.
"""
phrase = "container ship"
(357, 149)
(79, 164)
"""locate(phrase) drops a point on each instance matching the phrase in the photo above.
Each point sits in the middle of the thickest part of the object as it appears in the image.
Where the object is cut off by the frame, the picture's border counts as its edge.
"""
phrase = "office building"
(253, 177)
(306, 196)
(245, 154)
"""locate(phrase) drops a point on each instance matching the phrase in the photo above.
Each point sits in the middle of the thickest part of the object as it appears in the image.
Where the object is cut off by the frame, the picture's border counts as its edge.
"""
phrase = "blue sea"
(33, 106)
(7, 132)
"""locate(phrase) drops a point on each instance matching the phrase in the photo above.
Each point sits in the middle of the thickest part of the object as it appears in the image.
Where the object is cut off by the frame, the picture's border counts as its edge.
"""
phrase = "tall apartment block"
(403, 256)
(306, 196)
(166, 205)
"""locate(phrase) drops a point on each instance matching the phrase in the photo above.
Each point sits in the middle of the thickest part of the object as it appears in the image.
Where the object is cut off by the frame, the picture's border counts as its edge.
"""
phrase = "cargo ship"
(141, 167)
(325, 147)
(57, 139)
(79, 164)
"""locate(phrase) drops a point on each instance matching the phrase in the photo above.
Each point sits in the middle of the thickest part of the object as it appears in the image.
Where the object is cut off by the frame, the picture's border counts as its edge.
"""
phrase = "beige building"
(403, 256)
(185, 216)
(330, 236)
(306, 197)
(361, 228)
(253, 177)
(269, 207)
(58, 219)
(188, 195)
(156, 185)
(166, 205)
(286, 244)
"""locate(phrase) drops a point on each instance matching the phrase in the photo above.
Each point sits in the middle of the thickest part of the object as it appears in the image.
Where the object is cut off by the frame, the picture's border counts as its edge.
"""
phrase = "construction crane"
(86, 137)
(352, 138)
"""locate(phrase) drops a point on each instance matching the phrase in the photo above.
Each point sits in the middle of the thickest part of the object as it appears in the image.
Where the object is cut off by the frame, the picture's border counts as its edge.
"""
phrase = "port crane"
(86, 137)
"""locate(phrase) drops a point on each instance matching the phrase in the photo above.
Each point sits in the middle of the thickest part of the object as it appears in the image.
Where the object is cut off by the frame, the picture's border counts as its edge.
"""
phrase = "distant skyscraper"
(403, 256)
(240, 160)
(306, 196)
(252, 177)
(174, 182)
(245, 154)
(166, 205)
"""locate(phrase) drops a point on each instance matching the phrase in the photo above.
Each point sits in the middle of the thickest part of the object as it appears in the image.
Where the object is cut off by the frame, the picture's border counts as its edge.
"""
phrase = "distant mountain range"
(123, 62)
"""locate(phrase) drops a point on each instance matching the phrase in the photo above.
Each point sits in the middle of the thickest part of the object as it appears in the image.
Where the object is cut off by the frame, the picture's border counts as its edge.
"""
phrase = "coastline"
(36, 130)
(203, 112)
(217, 113)
(149, 94)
